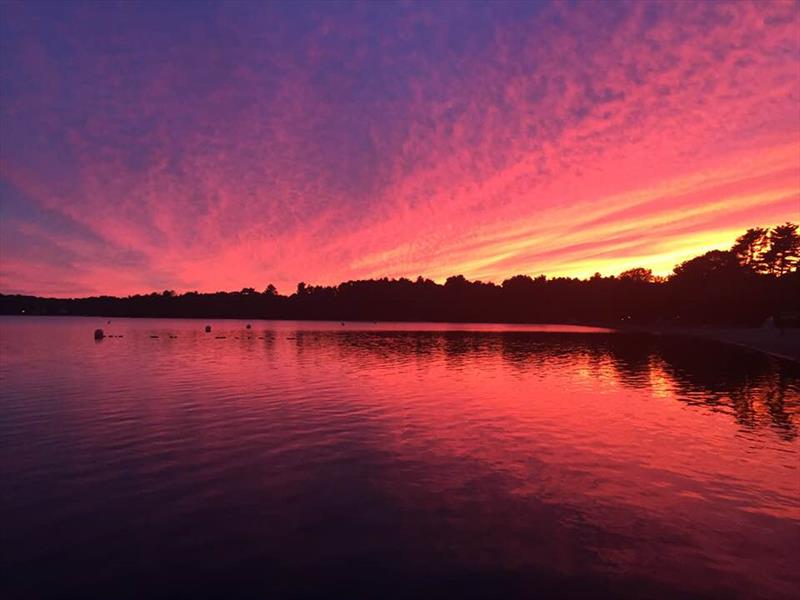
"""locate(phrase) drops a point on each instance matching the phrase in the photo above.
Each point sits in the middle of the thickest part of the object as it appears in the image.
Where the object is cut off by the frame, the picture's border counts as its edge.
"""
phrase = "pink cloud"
(547, 144)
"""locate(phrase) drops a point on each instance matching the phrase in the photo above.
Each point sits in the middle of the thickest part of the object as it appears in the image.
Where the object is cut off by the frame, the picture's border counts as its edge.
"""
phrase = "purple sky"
(209, 146)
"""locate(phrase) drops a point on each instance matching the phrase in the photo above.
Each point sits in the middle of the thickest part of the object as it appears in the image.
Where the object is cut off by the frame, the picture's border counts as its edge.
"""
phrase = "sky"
(214, 146)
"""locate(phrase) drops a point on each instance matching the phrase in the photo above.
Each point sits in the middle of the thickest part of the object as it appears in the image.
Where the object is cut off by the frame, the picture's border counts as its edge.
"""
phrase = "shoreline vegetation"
(753, 287)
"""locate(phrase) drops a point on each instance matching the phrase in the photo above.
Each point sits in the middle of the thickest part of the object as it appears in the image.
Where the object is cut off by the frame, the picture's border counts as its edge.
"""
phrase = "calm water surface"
(383, 460)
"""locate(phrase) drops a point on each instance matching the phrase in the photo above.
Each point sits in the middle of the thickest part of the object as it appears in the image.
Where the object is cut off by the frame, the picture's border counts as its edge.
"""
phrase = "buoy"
(208, 328)
(98, 334)
(249, 326)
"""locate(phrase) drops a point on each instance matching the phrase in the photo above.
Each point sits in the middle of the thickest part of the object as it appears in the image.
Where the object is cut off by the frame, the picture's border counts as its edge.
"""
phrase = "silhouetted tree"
(637, 274)
(707, 267)
(784, 249)
(271, 290)
(518, 282)
(455, 281)
(750, 246)
(714, 287)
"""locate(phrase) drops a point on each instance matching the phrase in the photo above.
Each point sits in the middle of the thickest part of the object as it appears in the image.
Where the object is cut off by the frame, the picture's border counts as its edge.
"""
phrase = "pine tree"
(750, 247)
(784, 249)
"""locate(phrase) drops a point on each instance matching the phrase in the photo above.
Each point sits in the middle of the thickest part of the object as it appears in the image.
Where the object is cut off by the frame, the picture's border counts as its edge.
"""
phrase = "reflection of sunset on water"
(489, 448)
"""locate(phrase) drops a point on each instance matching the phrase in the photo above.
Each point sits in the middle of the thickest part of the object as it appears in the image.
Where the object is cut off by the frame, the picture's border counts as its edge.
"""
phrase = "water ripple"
(550, 456)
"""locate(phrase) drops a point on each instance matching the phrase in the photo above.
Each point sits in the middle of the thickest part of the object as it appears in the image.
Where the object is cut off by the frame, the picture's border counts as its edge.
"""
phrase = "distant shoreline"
(713, 289)
(760, 339)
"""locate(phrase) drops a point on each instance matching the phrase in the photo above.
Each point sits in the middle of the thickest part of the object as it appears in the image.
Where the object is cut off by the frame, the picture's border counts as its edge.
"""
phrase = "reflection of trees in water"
(756, 389)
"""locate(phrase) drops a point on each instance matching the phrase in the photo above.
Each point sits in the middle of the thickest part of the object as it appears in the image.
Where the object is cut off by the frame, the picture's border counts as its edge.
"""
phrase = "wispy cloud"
(233, 145)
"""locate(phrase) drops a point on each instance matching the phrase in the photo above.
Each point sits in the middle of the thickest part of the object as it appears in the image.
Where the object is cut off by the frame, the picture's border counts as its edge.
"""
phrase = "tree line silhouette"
(757, 278)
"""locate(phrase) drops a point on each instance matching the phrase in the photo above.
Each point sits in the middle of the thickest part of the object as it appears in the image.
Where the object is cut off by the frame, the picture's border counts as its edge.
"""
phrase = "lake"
(318, 459)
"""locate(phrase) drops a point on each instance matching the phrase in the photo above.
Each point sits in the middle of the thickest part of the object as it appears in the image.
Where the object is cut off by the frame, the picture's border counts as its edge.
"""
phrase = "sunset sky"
(213, 146)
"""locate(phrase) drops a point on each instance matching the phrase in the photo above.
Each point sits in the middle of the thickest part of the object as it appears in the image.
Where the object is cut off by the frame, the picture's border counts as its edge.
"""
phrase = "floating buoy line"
(99, 334)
